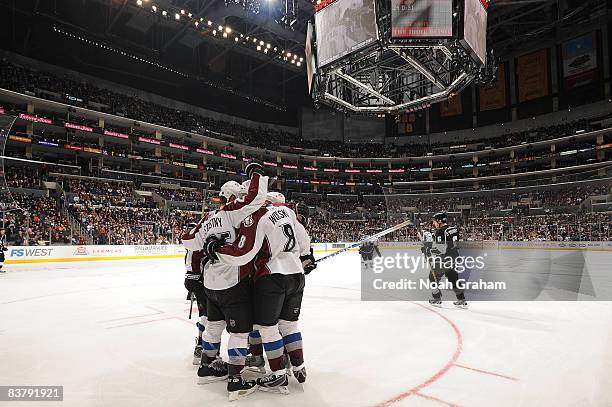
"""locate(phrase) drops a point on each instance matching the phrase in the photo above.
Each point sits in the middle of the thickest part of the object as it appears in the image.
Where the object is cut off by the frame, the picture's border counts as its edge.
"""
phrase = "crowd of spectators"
(110, 212)
(125, 225)
(23, 177)
(113, 212)
(22, 79)
(181, 195)
(36, 220)
(46, 85)
(99, 192)
(503, 216)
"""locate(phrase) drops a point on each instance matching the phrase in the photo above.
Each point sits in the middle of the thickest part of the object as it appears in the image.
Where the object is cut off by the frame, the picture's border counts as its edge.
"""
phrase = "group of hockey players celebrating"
(245, 265)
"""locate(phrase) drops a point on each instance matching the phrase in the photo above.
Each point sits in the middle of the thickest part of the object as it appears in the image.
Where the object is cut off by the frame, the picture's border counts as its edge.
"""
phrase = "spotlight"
(197, 23)
(259, 48)
(209, 23)
(268, 45)
(183, 12)
(177, 16)
(154, 8)
(289, 54)
(224, 35)
(261, 43)
(139, 2)
(301, 59)
(228, 30)
(220, 28)
(214, 32)
(164, 13)
(298, 63)
(189, 15)
(236, 39)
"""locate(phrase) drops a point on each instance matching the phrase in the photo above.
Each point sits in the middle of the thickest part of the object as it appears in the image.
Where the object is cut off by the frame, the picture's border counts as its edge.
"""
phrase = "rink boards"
(55, 254)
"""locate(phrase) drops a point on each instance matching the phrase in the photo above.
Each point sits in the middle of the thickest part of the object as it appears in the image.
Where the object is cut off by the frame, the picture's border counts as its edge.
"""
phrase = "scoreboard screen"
(343, 27)
(421, 18)
(475, 28)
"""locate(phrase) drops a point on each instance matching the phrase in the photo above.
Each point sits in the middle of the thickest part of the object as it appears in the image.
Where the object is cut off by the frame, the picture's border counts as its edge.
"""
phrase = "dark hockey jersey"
(446, 240)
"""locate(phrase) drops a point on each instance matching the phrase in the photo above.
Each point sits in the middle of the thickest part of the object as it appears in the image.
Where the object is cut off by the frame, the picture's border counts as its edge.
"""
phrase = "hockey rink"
(116, 333)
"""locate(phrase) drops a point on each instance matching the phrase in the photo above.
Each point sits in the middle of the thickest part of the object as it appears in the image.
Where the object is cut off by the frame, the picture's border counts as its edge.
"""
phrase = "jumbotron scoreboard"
(390, 56)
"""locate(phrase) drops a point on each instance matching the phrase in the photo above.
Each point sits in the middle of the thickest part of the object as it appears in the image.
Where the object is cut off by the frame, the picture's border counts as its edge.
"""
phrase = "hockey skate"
(274, 383)
(299, 372)
(256, 364)
(197, 352)
(213, 372)
(436, 302)
(461, 304)
(238, 388)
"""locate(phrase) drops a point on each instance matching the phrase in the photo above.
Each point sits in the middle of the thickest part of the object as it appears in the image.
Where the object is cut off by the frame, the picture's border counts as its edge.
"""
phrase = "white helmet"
(230, 188)
(275, 197)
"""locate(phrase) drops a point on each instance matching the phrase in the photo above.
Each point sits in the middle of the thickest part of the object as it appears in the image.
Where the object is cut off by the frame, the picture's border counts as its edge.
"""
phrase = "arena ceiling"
(236, 64)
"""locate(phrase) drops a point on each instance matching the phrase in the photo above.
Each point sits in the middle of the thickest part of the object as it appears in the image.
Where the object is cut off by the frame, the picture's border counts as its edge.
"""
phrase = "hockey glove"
(254, 168)
(193, 281)
(211, 245)
(308, 262)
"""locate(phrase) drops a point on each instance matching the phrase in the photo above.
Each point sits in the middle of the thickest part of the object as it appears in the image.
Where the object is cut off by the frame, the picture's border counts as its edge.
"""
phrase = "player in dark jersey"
(444, 252)
(367, 251)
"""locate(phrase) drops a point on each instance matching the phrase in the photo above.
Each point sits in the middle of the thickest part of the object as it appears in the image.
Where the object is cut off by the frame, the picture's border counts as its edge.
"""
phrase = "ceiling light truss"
(394, 79)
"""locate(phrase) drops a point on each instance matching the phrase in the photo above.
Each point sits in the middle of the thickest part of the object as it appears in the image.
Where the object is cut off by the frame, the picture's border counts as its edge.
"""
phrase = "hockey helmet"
(439, 216)
(275, 197)
(229, 189)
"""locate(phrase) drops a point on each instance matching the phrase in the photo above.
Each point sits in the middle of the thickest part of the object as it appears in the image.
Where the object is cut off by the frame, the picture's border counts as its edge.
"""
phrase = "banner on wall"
(451, 107)
(580, 61)
(494, 97)
(532, 72)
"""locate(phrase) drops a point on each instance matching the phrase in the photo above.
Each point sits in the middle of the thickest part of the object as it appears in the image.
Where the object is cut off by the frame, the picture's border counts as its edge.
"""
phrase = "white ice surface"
(116, 334)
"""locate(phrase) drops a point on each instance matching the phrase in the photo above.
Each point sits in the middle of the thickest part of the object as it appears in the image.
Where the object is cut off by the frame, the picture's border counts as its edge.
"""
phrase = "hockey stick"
(367, 239)
(191, 305)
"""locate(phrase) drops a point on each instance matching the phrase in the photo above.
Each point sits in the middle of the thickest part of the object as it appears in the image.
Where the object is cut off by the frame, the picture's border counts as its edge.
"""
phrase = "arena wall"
(59, 254)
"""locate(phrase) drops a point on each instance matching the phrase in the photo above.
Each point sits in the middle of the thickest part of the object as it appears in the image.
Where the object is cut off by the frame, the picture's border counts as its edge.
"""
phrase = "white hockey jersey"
(224, 223)
(272, 238)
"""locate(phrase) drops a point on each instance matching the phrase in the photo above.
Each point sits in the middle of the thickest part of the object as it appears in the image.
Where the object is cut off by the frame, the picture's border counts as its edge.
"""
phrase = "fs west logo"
(31, 252)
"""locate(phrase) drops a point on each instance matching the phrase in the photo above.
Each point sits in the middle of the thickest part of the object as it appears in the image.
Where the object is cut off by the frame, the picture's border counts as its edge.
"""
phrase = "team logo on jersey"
(232, 323)
(248, 221)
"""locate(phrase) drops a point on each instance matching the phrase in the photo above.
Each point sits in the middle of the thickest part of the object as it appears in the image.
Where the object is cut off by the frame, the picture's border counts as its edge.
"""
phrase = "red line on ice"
(140, 322)
(425, 396)
(441, 372)
(487, 372)
(133, 316)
